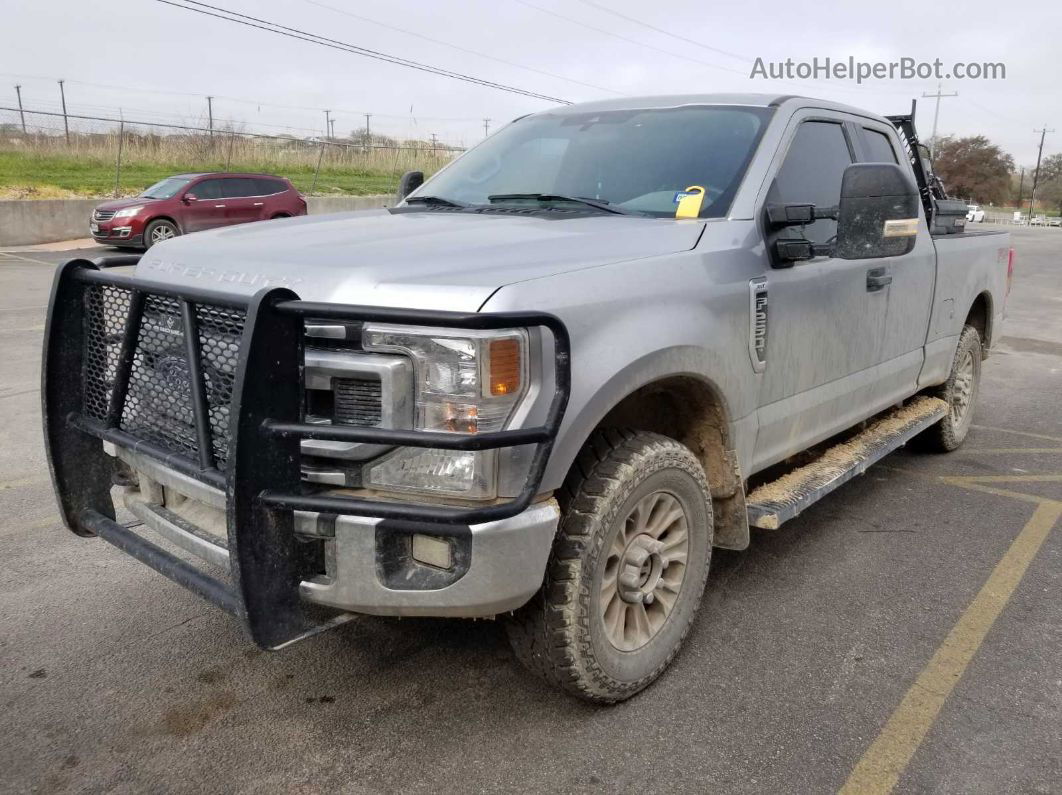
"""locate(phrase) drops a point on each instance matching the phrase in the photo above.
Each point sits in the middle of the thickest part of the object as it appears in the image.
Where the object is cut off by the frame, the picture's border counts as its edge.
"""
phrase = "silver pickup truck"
(542, 387)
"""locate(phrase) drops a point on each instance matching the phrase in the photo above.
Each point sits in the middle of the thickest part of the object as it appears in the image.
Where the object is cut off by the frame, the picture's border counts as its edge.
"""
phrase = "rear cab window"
(878, 147)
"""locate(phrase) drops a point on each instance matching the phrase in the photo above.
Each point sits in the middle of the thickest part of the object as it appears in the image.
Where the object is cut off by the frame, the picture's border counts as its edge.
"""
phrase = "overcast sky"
(128, 54)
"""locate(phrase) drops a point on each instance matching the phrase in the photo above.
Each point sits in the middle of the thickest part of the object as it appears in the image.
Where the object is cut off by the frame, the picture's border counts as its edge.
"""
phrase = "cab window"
(879, 148)
(207, 189)
(811, 173)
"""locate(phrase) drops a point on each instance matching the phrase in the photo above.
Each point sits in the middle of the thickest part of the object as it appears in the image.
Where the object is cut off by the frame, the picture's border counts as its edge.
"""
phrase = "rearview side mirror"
(189, 198)
(410, 181)
(878, 212)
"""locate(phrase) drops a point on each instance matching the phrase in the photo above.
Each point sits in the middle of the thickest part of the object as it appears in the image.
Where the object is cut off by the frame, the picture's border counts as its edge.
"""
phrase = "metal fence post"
(118, 162)
(317, 170)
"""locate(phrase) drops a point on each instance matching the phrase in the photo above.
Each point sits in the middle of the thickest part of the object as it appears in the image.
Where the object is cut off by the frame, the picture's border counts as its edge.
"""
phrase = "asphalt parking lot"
(907, 626)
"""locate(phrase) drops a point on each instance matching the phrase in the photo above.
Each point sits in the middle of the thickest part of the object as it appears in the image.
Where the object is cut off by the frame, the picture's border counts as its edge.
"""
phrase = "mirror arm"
(798, 250)
(799, 214)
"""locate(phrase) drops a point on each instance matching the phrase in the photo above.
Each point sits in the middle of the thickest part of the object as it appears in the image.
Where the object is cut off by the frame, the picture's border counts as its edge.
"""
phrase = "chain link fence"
(45, 154)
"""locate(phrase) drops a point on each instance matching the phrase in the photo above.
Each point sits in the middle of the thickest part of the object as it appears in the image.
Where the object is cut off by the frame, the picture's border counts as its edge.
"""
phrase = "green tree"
(1050, 188)
(974, 168)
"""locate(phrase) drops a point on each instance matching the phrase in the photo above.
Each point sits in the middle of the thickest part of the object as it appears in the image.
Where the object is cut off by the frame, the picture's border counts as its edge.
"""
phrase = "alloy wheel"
(644, 571)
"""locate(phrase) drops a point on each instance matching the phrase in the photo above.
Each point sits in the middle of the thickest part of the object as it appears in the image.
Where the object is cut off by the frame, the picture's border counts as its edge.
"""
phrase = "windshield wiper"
(597, 204)
(438, 201)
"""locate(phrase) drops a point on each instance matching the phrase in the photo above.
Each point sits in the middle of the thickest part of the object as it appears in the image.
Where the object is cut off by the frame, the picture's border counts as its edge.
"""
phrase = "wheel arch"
(163, 217)
(692, 409)
(980, 317)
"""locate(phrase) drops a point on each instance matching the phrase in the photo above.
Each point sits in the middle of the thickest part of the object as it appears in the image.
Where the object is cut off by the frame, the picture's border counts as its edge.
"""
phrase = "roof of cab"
(679, 100)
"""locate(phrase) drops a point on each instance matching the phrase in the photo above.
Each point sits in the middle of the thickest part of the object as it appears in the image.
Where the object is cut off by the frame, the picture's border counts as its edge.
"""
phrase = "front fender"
(635, 323)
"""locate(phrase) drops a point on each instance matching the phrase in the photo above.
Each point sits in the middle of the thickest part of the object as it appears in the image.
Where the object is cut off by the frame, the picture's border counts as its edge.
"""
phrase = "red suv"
(191, 203)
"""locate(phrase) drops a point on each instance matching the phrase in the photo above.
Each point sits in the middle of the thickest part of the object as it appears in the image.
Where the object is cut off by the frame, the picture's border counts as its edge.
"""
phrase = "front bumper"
(496, 566)
(118, 232)
(505, 562)
(225, 483)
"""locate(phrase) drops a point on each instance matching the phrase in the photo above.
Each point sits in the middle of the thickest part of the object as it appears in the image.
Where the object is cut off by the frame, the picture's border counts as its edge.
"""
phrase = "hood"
(119, 204)
(419, 260)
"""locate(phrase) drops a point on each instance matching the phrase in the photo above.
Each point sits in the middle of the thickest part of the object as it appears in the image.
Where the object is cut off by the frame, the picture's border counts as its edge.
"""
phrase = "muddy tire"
(960, 392)
(159, 230)
(627, 570)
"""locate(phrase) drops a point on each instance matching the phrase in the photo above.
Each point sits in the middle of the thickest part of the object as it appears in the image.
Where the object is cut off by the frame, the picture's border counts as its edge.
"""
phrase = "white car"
(974, 214)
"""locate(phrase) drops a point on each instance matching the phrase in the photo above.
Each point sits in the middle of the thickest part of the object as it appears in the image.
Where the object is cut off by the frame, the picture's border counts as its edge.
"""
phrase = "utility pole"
(1036, 174)
(368, 129)
(210, 115)
(66, 123)
(936, 115)
(328, 122)
(332, 129)
(433, 143)
(486, 127)
(21, 115)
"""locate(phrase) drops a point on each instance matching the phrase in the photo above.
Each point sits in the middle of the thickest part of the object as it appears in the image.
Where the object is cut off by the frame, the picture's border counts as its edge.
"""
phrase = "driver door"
(825, 326)
(208, 210)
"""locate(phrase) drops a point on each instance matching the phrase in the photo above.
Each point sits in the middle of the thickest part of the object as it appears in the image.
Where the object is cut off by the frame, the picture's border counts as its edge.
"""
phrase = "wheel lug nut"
(648, 598)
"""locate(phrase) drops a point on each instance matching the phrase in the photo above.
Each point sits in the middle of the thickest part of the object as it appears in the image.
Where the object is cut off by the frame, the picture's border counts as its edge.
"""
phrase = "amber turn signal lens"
(504, 367)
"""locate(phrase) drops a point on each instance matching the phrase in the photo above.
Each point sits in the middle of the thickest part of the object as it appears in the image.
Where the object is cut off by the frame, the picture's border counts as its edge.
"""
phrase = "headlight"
(464, 382)
(128, 212)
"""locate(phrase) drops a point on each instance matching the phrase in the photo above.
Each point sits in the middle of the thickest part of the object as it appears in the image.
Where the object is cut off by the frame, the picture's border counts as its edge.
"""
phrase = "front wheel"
(627, 570)
(159, 230)
(960, 393)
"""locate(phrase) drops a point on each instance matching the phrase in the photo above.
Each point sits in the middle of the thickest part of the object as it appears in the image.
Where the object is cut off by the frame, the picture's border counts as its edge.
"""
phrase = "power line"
(191, 128)
(242, 100)
(615, 13)
(803, 85)
(313, 38)
(635, 42)
(465, 50)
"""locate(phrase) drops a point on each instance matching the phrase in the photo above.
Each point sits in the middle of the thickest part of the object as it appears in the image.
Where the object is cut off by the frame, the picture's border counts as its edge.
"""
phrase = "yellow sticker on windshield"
(689, 202)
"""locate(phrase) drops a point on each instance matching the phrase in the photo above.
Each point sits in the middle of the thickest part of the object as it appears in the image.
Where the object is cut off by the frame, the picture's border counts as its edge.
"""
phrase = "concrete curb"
(28, 222)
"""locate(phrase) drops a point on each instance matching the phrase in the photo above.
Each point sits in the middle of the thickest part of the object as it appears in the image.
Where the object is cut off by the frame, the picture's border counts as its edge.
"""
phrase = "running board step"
(780, 500)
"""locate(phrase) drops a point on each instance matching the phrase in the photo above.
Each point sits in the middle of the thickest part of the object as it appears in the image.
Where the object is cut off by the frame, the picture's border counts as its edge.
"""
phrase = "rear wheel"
(159, 230)
(627, 571)
(960, 392)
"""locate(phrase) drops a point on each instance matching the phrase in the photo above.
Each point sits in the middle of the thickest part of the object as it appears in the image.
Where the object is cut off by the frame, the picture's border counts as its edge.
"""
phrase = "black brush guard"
(260, 473)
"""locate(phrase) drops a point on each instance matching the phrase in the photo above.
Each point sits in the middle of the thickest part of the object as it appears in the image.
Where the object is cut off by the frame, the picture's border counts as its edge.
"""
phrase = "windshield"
(166, 189)
(638, 160)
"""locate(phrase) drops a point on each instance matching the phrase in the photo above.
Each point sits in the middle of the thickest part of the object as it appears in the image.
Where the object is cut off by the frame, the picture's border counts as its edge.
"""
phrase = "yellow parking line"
(885, 760)
(1017, 495)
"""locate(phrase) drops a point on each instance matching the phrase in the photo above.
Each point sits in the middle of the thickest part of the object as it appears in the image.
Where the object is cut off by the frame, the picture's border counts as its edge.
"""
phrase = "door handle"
(877, 279)
(219, 205)
(258, 204)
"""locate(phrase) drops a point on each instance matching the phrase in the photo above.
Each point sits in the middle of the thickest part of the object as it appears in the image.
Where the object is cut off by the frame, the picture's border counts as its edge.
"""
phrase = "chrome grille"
(103, 215)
